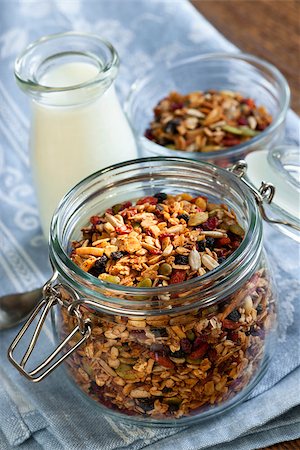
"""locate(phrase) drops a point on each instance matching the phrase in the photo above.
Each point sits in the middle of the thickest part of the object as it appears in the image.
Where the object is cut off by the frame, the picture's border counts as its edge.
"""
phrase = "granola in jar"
(206, 121)
(168, 365)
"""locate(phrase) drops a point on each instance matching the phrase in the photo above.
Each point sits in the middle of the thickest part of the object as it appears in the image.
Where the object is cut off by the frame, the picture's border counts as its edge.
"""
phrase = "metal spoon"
(14, 308)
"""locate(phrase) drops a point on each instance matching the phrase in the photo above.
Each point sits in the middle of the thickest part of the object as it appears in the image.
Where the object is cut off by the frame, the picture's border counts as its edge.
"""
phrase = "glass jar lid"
(275, 174)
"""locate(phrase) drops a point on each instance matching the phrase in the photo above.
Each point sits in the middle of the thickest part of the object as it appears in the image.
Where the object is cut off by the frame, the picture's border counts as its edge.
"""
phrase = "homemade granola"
(160, 240)
(206, 121)
(168, 365)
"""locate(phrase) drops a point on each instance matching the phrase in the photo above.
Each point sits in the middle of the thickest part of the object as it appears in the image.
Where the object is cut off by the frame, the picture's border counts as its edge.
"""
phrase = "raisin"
(181, 259)
(99, 266)
(201, 245)
(210, 243)
(149, 135)
(234, 315)
(116, 255)
(186, 346)
(161, 196)
(259, 308)
(147, 404)
(221, 259)
(159, 332)
(178, 354)
(171, 126)
(184, 217)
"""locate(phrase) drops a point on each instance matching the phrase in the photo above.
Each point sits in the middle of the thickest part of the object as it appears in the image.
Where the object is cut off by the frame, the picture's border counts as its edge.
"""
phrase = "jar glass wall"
(175, 354)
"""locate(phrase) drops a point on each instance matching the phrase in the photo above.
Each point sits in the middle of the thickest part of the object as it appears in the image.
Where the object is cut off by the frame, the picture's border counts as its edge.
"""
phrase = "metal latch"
(264, 194)
(51, 297)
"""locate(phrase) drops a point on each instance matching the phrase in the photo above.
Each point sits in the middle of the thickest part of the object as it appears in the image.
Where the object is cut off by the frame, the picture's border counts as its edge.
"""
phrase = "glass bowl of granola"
(163, 302)
(216, 108)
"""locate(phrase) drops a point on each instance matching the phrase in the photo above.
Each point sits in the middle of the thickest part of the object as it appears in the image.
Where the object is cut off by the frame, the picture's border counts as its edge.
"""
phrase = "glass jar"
(238, 72)
(166, 355)
(77, 120)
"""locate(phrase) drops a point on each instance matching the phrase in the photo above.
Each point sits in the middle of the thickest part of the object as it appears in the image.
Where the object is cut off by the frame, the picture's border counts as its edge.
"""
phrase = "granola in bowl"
(168, 365)
(206, 121)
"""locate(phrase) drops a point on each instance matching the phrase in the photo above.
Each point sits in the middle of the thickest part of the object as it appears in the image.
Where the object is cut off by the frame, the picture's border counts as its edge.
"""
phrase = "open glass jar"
(165, 355)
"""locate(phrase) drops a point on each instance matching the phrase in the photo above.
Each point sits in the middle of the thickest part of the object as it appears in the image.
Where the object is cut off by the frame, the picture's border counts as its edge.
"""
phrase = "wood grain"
(267, 28)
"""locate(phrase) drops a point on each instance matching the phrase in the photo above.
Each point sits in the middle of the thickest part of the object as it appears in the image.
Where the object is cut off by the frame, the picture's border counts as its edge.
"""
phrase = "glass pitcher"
(78, 125)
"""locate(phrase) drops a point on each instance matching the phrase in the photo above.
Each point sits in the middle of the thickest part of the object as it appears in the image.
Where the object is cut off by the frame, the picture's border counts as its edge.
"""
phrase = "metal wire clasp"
(264, 194)
(51, 297)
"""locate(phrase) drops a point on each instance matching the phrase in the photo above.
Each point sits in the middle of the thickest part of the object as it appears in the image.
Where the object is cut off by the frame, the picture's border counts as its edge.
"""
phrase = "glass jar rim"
(103, 73)
(282, 82)
(223, 273)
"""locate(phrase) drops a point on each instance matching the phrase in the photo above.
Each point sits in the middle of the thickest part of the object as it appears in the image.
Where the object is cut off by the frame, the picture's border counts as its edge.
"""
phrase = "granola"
(206, 121)
(173, 366)
(160, 240)
(168, 365)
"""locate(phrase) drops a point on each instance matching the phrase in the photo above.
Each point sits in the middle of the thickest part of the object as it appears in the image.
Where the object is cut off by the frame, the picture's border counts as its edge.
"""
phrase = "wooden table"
(269, 29)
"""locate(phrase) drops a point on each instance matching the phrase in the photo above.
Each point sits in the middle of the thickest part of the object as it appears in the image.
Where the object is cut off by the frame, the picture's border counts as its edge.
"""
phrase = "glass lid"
(279, 167)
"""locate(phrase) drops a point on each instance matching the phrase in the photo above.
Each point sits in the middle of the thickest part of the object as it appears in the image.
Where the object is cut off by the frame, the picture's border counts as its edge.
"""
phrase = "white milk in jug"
(69, 143)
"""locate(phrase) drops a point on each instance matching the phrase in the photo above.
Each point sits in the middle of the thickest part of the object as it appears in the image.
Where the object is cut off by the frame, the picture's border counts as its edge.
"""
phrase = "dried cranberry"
(175, 106)
(211, 224)
(199, 341)
(149, 135)
(200, 351)
(243, 121)
(177, 276)
(150, 200)
(95, 220)
(162, 360)
(124, 229)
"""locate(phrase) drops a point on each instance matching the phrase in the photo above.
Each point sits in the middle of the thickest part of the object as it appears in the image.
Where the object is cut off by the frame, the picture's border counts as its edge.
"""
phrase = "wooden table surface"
(269, 29)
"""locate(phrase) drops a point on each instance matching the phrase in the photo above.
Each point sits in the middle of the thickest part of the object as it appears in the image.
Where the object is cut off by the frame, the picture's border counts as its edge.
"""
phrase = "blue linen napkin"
(53, 414)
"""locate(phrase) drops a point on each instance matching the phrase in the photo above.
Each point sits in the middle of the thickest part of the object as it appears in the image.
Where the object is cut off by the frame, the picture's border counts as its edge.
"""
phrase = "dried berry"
(186, 346)
(159, 332)
(171, 126)
(211, 224)
(99, 266)
(259, 308)
(234, 316)
(221, 259)
(200, 351)
(161, 196)
(177, 276)
(117, 255)
(147, 404)
(185, 217)
(201, 245)
(210, 243)
(181, 259)
(178, 354)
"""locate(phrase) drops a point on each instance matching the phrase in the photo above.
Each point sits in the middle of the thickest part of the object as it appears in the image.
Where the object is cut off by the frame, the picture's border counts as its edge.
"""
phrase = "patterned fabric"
(52, 415)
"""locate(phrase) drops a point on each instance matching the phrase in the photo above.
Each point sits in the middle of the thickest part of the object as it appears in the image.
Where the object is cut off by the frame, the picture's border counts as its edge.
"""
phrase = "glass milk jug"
(78, 125)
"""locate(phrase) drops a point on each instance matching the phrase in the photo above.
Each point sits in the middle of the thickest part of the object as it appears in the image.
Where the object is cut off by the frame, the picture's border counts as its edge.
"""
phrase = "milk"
(69, 143)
